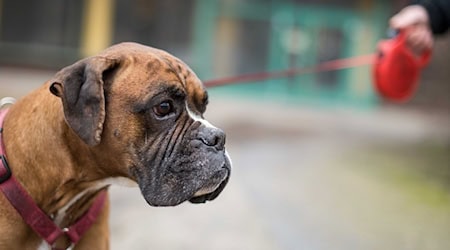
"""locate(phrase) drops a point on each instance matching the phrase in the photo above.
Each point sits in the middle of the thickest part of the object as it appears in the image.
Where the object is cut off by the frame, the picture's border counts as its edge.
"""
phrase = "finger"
(429, 41)
(414, 44)
(419, 41)
(424, 38)
(408, 16)
(401, 21)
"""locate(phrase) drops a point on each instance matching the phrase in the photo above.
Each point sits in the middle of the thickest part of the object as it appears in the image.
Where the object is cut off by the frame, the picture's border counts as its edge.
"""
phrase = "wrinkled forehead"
(174, 67)
(177, 74)
(152, 70)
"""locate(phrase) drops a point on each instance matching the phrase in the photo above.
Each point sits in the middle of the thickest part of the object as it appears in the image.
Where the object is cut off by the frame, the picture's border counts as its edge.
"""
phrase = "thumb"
(411, 15)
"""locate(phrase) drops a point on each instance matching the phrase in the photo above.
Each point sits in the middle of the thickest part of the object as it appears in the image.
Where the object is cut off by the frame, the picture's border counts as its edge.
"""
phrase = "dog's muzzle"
(211, 192)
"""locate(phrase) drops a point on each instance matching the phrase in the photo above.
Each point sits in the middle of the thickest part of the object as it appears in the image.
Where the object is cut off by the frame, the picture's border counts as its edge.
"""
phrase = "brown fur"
(54, 164)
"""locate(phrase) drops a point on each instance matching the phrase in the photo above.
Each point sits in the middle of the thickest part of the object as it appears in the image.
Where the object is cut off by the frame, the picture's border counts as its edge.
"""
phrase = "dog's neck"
(56, 169)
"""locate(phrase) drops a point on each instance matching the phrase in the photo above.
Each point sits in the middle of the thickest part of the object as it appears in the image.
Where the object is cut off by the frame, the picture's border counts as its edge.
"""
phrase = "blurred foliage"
(422, 170)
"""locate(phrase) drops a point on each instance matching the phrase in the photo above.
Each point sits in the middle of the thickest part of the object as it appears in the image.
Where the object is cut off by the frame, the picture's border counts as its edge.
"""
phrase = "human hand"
(415, 22)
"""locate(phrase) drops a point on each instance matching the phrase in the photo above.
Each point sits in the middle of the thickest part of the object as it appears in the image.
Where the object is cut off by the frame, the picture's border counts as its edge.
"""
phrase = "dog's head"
(140, 110)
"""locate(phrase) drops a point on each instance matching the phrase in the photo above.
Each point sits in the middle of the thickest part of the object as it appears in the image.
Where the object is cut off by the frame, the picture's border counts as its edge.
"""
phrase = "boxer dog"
(129, 114)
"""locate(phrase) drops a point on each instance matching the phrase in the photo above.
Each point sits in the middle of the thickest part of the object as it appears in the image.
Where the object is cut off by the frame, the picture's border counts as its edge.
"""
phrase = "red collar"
(32, 214)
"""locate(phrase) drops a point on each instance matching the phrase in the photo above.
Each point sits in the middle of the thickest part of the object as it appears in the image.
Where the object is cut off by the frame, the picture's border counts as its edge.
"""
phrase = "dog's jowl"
(130, 113)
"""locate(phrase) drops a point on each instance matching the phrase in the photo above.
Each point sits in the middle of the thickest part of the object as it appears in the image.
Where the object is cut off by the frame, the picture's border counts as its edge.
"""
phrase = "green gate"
(297, 36)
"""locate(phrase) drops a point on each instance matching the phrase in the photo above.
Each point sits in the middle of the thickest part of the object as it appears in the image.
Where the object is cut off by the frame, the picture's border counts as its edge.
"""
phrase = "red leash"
(325, 66)
(32, 214)
(395, 69)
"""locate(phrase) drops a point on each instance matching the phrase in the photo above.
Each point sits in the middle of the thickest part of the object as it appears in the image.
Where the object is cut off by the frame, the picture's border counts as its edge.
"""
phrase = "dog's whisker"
(100, 130)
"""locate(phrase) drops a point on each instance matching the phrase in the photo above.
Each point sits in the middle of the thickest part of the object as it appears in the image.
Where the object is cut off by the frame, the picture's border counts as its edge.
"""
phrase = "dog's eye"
(163, 109)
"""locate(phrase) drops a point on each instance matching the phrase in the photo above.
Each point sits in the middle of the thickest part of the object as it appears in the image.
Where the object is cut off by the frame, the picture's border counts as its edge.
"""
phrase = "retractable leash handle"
(421, 60)
(396, 70)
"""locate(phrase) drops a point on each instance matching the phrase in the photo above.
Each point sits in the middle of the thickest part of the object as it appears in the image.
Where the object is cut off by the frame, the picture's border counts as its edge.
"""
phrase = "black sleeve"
(438, 13)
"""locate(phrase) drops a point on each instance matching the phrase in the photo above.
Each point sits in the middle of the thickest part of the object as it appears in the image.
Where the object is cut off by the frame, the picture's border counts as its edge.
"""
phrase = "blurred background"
(320, 161)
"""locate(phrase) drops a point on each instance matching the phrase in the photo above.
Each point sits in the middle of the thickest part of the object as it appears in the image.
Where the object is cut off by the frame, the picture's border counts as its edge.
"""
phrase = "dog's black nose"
(213, 137)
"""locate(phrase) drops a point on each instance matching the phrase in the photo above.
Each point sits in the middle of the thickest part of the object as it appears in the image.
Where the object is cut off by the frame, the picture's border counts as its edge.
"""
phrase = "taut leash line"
(321, 67)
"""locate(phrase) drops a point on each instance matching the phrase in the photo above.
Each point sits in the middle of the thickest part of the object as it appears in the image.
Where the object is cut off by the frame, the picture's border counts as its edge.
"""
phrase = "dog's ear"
(80, 87)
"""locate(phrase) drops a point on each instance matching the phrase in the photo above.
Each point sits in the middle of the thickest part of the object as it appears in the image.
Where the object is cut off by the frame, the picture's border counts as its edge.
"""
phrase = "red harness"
(42, 224)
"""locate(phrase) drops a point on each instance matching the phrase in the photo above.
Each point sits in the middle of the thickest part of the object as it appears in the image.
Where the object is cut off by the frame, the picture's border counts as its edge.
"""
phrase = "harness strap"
(32, 214)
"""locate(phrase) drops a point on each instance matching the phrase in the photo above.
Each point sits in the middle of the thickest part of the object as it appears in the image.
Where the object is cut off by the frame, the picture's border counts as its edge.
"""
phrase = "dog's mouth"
(210, 192)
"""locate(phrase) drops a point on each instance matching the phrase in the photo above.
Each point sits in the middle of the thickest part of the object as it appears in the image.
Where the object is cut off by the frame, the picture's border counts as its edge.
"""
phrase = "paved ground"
(302, 179)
